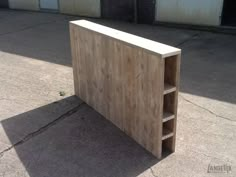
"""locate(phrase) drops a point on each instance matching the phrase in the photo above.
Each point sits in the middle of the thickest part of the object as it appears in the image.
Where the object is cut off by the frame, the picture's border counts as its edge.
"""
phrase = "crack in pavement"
(44, 128)
(206, 155)
(152, 172)
(27, 28)
(33, 26)
(189, 39)
(209, 111)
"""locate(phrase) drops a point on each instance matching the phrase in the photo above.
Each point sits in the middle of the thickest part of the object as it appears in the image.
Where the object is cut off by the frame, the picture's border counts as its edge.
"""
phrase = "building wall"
(89, 8)
(24, 4)
(199, 12)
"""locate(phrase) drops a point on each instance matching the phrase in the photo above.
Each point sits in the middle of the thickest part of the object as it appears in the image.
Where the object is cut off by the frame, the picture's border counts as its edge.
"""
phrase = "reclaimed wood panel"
(121, 80)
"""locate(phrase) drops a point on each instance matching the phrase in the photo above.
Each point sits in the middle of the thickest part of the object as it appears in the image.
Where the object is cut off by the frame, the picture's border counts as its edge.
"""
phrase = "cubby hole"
(167, 146)
(168, 138)
(169, 107)
(170, 74)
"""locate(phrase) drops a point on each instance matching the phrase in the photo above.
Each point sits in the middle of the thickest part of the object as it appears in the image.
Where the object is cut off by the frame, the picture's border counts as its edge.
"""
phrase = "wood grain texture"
(150, 46)
(122, 82)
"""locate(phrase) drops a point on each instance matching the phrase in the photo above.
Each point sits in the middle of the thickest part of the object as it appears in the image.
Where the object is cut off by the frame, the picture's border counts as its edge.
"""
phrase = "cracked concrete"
(45, 134)
(187, 40)
(211, 112)
(152, 172)
(43, 129)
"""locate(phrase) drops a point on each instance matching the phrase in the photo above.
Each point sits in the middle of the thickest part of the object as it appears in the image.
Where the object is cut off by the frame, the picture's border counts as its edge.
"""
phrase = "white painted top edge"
(152, 46)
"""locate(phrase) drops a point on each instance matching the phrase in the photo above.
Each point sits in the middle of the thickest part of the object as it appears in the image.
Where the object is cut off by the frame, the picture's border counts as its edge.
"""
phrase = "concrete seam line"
(152, 172)
(32, 26)
(211, 112)
(209, 156)
(27, 28)
(44, 128)
(187, 40)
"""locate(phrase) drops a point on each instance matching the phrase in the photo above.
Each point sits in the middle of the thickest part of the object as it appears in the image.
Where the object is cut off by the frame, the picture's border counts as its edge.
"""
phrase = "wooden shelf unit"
(171, 79)
(133, 82)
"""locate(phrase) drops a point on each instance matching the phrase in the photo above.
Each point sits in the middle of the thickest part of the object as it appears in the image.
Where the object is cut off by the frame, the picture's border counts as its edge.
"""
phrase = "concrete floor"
(45, 134)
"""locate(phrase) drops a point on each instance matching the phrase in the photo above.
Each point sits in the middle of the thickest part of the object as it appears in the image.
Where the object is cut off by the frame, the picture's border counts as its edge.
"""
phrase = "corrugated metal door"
(49, 4)
(90, 8)
(118, 9)
(199, 12)
(3, 3)
(146, 11)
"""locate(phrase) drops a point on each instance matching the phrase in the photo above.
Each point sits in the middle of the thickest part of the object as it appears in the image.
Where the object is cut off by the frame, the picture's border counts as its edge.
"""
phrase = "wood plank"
(155, 47)
(169, 88)
(168, 116)
(167, 134)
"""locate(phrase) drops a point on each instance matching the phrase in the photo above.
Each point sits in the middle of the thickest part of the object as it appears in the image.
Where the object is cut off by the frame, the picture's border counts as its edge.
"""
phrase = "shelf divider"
(169, 88)
(167, 116)
(167, 133)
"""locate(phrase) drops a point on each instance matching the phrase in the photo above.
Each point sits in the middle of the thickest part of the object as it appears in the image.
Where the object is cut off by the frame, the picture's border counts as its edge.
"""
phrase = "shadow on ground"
(79, 142)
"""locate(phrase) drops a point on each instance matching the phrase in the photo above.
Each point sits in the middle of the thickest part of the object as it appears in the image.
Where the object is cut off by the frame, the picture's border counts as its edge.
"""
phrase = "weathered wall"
(24, 4)
(200, 12)
(89, 8)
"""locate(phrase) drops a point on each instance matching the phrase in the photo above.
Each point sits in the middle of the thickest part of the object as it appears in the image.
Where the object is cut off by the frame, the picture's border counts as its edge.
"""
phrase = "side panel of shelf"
(124, 83)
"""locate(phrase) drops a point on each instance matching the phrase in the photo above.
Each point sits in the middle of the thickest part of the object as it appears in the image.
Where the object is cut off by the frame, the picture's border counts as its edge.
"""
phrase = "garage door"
(146, 11)
(3, 3)
(118, 9)
(49, 4)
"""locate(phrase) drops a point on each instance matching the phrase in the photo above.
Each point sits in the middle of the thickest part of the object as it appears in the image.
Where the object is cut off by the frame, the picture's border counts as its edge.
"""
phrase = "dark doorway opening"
(229, 13)
(118, 9)
(146, 11)
(140, 11)
(4, 4)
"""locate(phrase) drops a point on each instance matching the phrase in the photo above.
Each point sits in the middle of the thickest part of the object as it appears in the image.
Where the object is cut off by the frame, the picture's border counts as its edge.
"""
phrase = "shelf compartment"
(169, 103)
(166, 134)
(167, 146)
(169, 88)
(167, 116)
(170, 76)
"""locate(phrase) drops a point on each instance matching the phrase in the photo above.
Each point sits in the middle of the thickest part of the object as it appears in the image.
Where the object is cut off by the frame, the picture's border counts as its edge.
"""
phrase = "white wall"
(89, 8)
(24, 4)
(200, 12)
